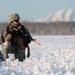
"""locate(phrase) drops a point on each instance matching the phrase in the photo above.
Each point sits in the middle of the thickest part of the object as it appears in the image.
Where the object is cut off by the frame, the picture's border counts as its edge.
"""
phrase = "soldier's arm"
(29, 35)
(6, 36)
(26, 31)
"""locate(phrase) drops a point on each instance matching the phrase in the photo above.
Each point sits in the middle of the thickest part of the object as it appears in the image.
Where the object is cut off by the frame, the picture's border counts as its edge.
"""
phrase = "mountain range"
(66, 15)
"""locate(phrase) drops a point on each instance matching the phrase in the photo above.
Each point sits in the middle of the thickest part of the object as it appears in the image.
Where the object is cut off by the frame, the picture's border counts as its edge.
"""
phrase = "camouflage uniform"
(15, 39)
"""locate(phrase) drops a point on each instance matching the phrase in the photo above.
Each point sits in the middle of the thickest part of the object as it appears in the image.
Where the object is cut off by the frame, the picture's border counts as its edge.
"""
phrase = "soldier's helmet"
(12, 17)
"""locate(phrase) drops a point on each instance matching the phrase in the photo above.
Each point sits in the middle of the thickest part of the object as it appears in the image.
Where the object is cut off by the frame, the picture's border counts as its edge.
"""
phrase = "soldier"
(15, 38)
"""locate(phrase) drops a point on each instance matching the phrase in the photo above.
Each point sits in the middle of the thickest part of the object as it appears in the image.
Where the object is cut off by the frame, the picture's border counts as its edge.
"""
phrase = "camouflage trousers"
(19, 52)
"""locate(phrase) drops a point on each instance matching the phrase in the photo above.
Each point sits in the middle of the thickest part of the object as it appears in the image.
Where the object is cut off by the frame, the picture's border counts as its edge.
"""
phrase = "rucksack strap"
(28, 54)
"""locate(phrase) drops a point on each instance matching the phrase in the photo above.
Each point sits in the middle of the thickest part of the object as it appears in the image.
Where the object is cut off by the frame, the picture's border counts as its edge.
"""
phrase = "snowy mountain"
(61, 15)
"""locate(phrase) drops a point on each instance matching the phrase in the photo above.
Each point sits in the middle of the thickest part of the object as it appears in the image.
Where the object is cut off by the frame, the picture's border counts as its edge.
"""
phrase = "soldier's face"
(15, 23)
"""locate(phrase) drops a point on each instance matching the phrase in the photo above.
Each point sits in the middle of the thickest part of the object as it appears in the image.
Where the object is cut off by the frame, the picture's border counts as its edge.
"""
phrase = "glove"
(6, 43)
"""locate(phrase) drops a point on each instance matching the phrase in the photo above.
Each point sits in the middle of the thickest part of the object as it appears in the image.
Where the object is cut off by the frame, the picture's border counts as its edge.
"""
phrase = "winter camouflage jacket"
(17, 35)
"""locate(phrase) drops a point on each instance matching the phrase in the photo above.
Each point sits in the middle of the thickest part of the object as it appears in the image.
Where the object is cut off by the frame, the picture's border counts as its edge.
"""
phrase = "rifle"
(36, 42)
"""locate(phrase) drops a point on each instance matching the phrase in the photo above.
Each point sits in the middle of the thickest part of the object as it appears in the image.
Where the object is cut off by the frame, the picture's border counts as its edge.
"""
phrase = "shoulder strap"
(28, 54)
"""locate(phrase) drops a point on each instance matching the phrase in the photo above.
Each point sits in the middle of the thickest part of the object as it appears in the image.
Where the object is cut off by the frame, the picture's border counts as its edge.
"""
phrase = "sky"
(32, 9)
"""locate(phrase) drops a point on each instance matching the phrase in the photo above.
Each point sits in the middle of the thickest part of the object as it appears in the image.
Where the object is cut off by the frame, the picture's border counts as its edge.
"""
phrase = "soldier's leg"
(20, 54)
(4, 49)
(7, 49)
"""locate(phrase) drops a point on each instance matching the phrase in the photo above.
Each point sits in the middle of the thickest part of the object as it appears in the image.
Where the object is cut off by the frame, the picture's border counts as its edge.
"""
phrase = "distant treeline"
(52, 28)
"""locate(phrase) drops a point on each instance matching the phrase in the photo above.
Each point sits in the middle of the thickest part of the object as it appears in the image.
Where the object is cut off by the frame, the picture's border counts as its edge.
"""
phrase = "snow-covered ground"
(55, 56)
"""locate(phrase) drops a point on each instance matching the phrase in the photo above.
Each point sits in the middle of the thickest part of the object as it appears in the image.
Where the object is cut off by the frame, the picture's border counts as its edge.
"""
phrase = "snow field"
(55, 56)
